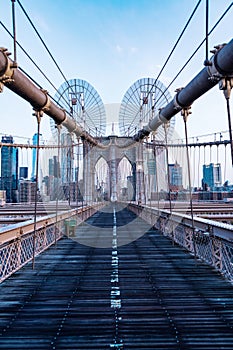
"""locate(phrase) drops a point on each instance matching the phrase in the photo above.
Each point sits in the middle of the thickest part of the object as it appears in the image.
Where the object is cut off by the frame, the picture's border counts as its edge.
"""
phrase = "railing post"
(216, 248)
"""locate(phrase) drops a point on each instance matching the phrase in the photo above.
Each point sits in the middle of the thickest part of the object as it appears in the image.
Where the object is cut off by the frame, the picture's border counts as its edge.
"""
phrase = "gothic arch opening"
(102, 185)
(126, 180)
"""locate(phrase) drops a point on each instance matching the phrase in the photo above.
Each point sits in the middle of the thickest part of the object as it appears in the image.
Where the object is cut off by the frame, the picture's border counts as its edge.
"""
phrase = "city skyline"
(127, 44)
(211, 177)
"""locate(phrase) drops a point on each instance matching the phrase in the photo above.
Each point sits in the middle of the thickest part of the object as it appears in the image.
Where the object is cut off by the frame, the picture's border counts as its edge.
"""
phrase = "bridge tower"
(114, 151)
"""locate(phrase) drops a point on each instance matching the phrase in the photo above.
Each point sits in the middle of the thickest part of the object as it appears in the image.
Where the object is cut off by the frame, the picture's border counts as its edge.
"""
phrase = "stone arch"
(126, 179)
(101, 171)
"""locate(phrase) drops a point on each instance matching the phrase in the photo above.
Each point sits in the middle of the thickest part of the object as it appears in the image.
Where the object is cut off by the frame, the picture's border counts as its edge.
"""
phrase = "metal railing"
(210, 241)
(19, 242)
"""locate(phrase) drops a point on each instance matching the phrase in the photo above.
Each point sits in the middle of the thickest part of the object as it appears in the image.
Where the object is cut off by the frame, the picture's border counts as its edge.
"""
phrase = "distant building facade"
(27, 191)
(175, 177)
(212, 178)
(34, 142)
(66, 159)
(23, 172)
(9, 169)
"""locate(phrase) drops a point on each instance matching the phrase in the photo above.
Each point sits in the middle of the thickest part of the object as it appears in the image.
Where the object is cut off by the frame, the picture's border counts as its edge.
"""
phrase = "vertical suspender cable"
(70, 160)
(194, 165)
(38, 117)
(225, 162)
(156, 178)
(230, 127)
(58, 178)
(168, 177)
(199, 160)
(204, 155)
(14, 28)
(185, 115)
(207, 30)
(77, 176)
(226, 85)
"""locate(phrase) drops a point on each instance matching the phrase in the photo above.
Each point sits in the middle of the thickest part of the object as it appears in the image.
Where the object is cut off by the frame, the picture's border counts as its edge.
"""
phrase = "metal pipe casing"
(221, 65)
(25, 88)
(38, 98)
(223, 59)
(3, 63)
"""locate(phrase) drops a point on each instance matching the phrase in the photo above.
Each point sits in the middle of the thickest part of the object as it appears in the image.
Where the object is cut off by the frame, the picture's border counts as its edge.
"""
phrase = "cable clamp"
(186, 111)
(7, 74)
(226, 84)
(214, 71)
(177, 105)
(47, 104)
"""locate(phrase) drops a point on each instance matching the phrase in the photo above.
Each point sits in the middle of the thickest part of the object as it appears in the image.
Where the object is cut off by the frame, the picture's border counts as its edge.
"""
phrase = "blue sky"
(111, 44)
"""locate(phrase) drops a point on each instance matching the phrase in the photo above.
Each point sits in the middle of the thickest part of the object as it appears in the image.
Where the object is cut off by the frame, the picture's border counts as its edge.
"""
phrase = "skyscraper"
(23, 172)
(66, 159)
(212, 177)
(175, 177)
(9, 169)
(34, 142)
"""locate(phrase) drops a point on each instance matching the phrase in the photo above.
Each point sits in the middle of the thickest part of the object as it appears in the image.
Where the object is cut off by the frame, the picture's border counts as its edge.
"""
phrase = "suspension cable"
(199, 161)
(197, 49)
(194, 166)
(43, 42)
(217, 154)
(170, 54)
(230, 127)
(210, 153)
(14, 29)
(225, 162)
(58, 178)
(54, 87)
(45, 46)
(185, 112)
(177, 41)
(166, 125)
(194, 53)
(206, 34)
(156, 175)
(226, 85)
(38, 115)
(38, 85)
(39, 69)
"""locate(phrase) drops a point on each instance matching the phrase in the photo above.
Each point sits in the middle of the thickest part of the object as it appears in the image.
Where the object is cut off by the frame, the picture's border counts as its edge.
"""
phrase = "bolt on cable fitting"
(226, 84)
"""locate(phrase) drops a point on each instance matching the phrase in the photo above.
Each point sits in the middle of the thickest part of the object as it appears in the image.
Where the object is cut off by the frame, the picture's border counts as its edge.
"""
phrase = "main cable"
(50, 54)
(45, 76)
(173, 49)
(43, 42)
(199, 46)
(35, 64)
(197, 49)
(170, 54)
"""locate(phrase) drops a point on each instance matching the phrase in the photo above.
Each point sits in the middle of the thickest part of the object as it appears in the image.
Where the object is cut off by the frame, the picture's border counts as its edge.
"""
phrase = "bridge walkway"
(116, 293)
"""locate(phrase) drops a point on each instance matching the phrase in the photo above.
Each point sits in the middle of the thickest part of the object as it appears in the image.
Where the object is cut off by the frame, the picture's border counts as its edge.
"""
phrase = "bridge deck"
(165, 300)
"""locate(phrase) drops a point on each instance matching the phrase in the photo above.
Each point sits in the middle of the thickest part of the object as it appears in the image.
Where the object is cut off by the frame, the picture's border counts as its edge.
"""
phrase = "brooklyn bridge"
(116, 233)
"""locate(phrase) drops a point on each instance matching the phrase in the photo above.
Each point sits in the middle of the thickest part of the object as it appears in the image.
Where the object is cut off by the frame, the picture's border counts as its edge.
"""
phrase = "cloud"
(133, 50)
(118, 48)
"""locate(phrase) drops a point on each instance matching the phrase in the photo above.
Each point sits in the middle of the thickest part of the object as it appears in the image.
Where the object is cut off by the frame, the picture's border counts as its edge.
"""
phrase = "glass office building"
(9, 169)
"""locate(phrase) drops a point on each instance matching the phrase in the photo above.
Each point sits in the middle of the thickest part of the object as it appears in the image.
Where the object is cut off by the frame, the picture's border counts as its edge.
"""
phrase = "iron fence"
(208, 240)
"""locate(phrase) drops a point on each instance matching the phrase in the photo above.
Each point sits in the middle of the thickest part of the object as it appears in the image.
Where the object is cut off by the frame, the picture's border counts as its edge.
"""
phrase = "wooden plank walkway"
(147, 294)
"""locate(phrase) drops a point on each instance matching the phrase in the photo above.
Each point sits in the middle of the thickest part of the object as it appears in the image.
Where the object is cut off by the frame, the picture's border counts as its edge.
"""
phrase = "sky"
(111, 44)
